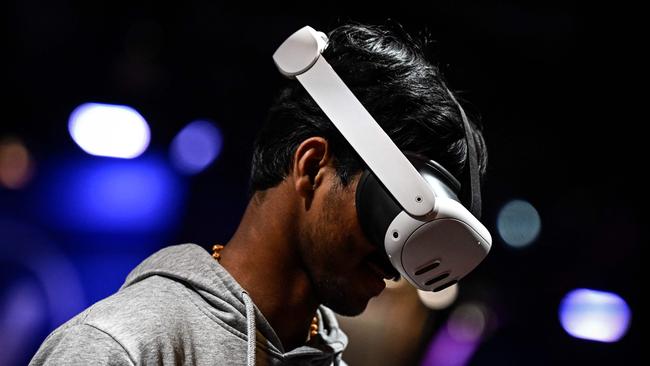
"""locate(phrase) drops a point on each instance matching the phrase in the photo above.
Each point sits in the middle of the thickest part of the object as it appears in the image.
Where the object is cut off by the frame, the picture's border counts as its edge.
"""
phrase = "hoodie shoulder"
(188, 262)
(81, 344)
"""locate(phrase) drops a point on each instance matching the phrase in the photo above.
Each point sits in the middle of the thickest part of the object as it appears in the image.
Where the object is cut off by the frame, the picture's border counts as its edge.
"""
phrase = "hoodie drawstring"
(250, 329)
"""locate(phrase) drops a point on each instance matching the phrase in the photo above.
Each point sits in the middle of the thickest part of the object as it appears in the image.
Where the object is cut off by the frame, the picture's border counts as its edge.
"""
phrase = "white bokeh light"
(109, 130)
(439, 300)
(594, 315)
(518, 223)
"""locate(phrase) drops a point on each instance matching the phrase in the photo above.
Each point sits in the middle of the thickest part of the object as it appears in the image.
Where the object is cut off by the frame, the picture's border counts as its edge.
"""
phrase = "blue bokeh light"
(21, 317)
(594, 315)
(108, 195)
(196, 146)
(109, 130)
(518, 223)
(42, 290)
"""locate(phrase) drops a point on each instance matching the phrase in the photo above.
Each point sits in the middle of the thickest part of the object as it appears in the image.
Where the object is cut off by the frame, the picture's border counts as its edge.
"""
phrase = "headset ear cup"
(376, 208)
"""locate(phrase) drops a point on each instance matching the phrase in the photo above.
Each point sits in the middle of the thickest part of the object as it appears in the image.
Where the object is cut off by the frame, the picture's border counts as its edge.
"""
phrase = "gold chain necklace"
(313, 328)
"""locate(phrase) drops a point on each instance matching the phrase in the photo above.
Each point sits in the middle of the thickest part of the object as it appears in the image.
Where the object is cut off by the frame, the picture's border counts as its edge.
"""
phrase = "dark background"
(552, 85)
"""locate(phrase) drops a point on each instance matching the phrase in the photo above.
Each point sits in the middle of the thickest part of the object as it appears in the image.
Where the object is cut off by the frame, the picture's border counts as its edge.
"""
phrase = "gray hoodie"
(179, 306)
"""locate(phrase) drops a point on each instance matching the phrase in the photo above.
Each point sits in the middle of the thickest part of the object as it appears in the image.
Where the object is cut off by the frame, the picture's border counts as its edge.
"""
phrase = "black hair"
(387, 71)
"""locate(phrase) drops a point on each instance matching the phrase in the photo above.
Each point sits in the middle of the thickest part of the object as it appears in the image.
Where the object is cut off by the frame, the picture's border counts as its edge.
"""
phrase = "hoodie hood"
(227, 302)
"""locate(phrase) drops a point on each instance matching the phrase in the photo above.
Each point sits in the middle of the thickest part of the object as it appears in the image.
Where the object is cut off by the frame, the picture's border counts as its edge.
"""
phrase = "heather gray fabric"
(180, 307)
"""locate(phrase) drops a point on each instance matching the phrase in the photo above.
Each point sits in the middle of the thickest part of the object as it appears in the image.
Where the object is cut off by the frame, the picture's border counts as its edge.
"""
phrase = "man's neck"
(263, 259)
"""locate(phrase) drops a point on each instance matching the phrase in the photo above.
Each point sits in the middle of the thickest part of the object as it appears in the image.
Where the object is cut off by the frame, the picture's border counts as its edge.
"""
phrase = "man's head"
(407, 96)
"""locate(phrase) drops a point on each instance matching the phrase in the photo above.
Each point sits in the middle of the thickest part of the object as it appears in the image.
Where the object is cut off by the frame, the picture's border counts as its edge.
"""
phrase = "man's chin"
(348, 307)
(342, 298)
(349, 312)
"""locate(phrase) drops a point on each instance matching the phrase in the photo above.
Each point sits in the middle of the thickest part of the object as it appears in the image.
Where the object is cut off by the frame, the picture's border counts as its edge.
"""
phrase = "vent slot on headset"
(448, 284)
(427, 268)
(436, 279)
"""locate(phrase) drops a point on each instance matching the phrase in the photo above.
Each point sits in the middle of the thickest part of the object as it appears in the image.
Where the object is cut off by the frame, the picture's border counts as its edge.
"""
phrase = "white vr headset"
(405, 203)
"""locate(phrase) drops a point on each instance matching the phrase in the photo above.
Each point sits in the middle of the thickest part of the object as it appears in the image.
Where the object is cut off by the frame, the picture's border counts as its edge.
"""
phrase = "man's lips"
(378, 271)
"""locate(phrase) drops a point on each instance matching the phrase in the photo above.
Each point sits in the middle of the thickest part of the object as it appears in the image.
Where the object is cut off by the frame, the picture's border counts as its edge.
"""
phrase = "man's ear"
(311, 156)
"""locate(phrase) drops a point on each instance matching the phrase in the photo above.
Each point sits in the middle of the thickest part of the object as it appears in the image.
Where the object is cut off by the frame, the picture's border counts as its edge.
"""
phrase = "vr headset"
(407, 204)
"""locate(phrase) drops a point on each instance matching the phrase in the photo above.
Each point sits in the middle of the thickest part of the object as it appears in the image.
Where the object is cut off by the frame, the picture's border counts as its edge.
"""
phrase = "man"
(299, 251)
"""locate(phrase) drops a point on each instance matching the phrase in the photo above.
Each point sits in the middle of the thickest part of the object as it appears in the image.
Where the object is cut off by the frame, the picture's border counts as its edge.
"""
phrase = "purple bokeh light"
(459, 338)
(196, 147)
